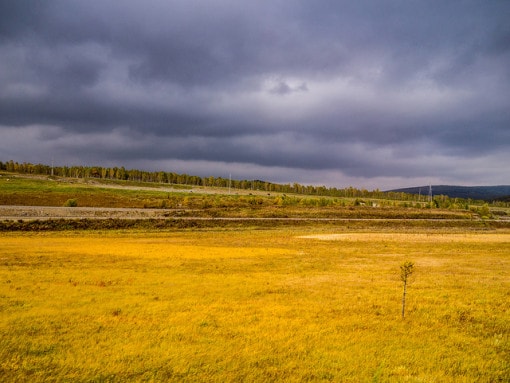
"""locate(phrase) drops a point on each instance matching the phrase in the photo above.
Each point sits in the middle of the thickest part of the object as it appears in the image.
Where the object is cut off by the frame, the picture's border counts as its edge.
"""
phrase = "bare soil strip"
(50, 212)
(415, 237)
(27, 213)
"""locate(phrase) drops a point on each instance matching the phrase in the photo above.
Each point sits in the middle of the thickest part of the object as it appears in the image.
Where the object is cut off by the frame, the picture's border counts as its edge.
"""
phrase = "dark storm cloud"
(378, 93)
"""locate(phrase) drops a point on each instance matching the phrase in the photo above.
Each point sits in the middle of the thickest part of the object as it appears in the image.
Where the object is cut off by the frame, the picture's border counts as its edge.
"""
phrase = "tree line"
(136, 175)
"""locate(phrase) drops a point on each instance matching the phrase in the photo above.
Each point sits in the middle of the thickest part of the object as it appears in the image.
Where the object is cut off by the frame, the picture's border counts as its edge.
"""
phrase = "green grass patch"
(43, 191)
(205, 202)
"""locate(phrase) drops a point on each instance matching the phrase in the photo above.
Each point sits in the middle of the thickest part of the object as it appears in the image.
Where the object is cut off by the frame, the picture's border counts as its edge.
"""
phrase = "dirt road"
(49, 212)
(32, 213)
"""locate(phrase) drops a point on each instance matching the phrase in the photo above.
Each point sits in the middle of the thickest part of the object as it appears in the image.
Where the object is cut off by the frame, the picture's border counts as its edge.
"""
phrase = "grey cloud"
(282, 88)
(319, 86)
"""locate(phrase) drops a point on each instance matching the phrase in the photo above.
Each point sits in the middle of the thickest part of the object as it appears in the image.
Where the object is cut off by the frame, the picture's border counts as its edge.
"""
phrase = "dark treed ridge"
(162, 177)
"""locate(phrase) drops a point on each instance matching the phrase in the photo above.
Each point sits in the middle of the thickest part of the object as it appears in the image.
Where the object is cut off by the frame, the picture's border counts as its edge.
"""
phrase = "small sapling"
(406, 269)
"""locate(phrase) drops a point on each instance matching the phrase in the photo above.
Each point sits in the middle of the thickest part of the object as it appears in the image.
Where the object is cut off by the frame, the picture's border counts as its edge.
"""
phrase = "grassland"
(294, 304)
(24, 190)
(247, 287)
(46, 191)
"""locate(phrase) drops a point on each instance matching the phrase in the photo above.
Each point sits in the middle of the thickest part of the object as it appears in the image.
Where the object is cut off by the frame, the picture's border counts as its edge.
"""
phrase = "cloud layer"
(370, 94)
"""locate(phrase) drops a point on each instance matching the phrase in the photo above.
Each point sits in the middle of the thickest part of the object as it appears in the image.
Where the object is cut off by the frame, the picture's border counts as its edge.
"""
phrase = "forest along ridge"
(35, 197)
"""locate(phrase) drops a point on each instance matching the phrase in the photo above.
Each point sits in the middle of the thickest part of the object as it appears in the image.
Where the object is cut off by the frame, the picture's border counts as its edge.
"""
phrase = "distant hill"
(486, 193)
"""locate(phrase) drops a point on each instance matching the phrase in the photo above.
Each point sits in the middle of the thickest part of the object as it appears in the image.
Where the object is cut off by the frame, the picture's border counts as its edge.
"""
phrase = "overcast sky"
(373, 94)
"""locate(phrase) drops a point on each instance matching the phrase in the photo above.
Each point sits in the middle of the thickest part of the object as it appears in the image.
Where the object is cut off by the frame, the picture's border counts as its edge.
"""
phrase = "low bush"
(72, 202)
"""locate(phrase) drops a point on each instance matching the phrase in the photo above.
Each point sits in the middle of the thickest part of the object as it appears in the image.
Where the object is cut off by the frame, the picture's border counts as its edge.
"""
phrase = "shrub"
(71, 203)
(485, 212)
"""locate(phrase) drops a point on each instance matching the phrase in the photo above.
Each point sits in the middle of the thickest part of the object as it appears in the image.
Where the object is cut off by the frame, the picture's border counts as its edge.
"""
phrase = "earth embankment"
(52, 212)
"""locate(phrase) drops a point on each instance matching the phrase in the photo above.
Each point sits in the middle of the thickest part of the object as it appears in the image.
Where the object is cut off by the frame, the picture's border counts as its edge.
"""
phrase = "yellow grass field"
(294, 305)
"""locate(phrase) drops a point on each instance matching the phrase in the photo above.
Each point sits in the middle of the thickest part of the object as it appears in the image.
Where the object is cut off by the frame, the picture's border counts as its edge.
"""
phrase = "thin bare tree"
(406, 269)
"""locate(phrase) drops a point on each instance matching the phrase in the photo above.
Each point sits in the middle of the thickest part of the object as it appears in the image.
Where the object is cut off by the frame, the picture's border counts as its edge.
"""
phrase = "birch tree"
(406, 269)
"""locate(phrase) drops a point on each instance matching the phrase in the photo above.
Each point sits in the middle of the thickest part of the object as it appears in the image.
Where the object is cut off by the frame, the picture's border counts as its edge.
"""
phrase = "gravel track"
(32, 213)
(50, 212)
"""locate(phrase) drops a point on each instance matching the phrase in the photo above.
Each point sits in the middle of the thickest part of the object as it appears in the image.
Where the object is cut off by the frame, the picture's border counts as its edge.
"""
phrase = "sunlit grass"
(259, 305)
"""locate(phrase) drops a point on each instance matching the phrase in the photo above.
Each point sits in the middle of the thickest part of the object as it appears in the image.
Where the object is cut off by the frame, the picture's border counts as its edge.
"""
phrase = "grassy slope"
(40, 191)
(264, 305)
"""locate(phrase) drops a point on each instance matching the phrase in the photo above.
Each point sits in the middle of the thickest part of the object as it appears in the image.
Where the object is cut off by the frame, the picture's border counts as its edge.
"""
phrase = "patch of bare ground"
(415, 237)
(51, 212)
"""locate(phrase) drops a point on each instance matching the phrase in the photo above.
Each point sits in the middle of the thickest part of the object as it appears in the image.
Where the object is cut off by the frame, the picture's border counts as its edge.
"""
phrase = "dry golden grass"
(254, 306)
